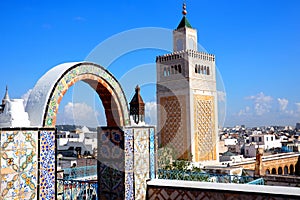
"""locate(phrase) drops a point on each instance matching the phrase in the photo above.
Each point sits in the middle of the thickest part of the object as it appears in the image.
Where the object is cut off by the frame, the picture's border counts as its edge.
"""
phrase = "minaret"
(6, 96)
(187, 97)
(137, 107)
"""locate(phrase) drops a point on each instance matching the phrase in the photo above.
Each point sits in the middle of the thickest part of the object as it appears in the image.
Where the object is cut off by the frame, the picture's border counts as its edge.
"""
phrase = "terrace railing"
(204, 177)
(76, 190)
(80, 172)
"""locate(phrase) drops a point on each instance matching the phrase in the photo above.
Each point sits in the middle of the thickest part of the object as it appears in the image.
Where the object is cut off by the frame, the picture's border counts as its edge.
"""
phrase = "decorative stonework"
(174, 130)
(204, 128)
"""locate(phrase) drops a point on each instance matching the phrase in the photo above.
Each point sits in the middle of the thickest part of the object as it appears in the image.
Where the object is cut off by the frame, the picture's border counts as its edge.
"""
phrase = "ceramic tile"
(28, 139)
(28, 181)
(10, 185)
(9, 140)
(10, 161)
(28, 196)
(28, 160)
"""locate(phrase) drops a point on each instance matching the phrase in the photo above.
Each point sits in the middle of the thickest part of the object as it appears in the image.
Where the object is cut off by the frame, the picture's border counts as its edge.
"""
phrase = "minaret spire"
(6, 96)
(184, 12)
(184, 22)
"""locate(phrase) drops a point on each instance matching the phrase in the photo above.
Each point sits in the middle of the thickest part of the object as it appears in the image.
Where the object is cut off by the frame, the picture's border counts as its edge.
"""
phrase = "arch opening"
(280, 170)
(292, 169)
(46, 96)
(286, 170)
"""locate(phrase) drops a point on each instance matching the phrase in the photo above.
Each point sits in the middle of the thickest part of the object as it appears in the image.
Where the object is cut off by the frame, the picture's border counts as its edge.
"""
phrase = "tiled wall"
(19, 164)
(111, 177)
(138, 165)
(126, 161)
(140, 160)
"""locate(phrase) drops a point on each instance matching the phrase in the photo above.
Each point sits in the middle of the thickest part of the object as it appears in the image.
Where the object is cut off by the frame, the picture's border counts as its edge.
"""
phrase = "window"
(259, 139)
(252, 139)
(176, 70)
(165, 72)
(172, 69)
(179, 69)
(179, 45)
(196, 69)
(272, 138)
(207, 71)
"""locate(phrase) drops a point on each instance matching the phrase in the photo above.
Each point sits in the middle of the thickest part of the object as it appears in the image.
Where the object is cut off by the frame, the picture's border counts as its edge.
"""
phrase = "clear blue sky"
(256, 43)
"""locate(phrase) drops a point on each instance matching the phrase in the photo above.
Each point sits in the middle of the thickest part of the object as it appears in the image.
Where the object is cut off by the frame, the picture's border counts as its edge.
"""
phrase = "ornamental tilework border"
(141, 161)
(129, 183)
(70, 78)
(152, 153)
(18, 177)
(47, 165)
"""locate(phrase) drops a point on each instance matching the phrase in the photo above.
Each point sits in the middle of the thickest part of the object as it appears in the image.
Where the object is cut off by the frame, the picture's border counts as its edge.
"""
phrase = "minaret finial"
(184, 12)
(137, 88)
(6, 96)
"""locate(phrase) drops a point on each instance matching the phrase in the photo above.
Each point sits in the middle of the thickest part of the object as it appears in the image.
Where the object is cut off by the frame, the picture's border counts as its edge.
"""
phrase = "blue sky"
(256, 43)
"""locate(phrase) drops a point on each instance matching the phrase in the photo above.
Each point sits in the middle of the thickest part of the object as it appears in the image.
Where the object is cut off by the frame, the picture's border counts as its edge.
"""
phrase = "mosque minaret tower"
(187, 97)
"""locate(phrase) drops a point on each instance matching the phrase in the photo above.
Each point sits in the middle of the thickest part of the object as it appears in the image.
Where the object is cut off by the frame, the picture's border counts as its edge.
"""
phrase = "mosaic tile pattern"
(47, 165)
(153, 146)
(111, 168)
(80, 72)
(129, 183)
(141, 161)
(18, 164)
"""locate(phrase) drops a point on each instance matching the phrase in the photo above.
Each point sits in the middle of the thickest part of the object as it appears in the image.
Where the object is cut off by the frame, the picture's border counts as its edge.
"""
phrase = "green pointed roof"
(184, 23)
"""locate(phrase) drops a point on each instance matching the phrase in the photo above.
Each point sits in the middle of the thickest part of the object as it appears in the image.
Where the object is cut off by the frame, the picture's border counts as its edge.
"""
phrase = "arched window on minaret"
(207, 71)
(201, 69)
(168, 72)
(137, 107)
(172, 69)
(196, 69)
(204, 71)
(176, 69)
(179, 69)
(165, 71)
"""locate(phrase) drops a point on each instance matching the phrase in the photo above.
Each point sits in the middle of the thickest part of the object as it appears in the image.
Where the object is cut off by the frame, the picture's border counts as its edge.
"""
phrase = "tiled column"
(47, 168)
(18, 164)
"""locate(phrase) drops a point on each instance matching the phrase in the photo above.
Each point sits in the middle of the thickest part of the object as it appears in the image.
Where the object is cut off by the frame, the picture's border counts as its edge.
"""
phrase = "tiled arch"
(43, 105)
